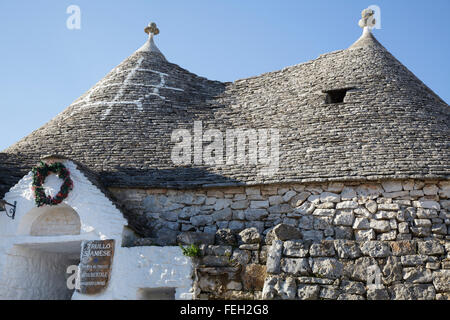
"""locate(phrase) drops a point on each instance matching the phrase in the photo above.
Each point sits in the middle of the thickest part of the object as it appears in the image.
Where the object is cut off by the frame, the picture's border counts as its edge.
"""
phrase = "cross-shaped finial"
(367, 20)
(152, 29)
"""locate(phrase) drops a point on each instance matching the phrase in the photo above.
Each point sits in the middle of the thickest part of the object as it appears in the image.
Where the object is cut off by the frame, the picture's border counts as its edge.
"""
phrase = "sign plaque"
(95, 265)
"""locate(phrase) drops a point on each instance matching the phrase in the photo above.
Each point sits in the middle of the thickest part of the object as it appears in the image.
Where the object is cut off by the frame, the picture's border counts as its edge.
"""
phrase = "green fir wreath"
(40, 173)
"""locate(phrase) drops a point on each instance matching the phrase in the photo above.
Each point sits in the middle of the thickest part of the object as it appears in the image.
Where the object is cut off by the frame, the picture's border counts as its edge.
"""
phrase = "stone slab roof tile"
(389, 126)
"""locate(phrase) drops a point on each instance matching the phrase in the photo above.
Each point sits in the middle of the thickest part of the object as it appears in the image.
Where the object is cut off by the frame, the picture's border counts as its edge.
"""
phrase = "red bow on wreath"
(40, 173)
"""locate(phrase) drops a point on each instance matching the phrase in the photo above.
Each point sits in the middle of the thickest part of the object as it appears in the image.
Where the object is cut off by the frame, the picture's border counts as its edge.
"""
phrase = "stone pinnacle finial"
(367, 20)
(150, 46)
(152, 29)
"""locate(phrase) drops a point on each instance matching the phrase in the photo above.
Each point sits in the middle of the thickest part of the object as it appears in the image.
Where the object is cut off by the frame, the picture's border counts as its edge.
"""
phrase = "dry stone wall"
(355, 270)
(306, 241)
(387, 211)
(283, 266)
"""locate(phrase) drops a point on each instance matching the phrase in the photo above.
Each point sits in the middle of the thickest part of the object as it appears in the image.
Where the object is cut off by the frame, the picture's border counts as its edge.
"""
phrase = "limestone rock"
(306, 208)
(402, 248)
(392, 186)
(375, 249)
(215, 261)
(314, 235)
(308, 292)
(285, 232)
(329, 293)
(413, 260)
(421, 232)
(430, 247)
(403, 227)
(295, 248)
(377, 294)
(361, 224)
(295, 266)
(347, 249)
(288, 289)
(222, 215)
(324, 212)
(218, 250)
(353, 287)
(197, 238)
(280, 208)
(371, 206)
(225, 237)
(187, 212)
(441, 280)
(322, 223)
(427, 204)
(241, 257)
(347, 296)
(255, 214)
(259, 204)
(289, 195)
(249, 236)
(253, 277)
(364, 235)
(236, 225)
(278, 288)
(392, 270)
(335, 187)
(165, 237)
(344, 218)
(202, 220)
(388, 206)
(348, 193)
(417, 275)
(380, 225)
(358, 269)
(388, 236)
(330, 197)
(327, 267)
(306, 222)
(323, 249)
(341, 232)
(274, 257)
(275, 200)
(239, 205)
(269, 291)
(314, 280)
(430, 190)
(369, 191)
(347, 205)
(298, 200)
(407, 291)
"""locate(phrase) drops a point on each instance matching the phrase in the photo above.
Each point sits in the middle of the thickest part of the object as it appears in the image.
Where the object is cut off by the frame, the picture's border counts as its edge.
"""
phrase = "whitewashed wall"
(147, 268)
(25, 264)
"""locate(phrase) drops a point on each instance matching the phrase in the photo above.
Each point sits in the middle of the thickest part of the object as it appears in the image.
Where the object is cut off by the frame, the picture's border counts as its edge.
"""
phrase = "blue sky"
(45, 66)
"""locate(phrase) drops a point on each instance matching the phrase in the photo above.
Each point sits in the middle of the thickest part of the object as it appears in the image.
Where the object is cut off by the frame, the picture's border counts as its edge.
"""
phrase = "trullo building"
(324, 180)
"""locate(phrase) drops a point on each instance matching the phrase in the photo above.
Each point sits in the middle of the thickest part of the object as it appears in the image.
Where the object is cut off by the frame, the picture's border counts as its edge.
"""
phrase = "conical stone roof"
(390, 125)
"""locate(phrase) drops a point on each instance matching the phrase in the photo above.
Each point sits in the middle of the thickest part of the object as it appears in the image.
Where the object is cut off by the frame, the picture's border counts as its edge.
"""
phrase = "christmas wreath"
(40, 173)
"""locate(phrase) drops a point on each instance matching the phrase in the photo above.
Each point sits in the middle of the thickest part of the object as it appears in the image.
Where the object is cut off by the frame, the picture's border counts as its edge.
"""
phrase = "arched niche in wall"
(50, 221)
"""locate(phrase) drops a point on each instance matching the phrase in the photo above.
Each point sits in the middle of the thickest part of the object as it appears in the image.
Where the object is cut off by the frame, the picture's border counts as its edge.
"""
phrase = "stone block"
(274, 257)
(327, 267)
(308, 292)
(375, 249)
(295, 266)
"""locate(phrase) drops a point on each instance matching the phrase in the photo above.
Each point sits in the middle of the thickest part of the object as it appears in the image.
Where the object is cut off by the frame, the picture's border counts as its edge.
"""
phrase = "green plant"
(191, 251)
